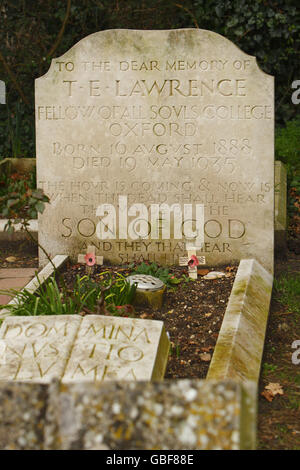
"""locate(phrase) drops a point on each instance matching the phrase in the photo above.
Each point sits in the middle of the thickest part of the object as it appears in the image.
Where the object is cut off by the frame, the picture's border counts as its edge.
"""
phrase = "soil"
(192, 314)
(24, 252)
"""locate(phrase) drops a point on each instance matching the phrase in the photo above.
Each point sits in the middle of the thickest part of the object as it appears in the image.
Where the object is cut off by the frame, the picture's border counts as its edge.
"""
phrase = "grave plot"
(162, 151)
(192, 312)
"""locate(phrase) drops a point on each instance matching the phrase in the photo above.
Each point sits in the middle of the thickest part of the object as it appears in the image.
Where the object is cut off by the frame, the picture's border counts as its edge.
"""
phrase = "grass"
(49, 299)
(268, 368)
(287, 289)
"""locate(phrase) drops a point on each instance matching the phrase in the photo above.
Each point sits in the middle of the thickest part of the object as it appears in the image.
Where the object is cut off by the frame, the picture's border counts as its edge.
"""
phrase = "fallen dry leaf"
(229, 269)
(274, 388)
(268, 395)
(11, 259)
(271, 390)
(143, 315)
(203, 271)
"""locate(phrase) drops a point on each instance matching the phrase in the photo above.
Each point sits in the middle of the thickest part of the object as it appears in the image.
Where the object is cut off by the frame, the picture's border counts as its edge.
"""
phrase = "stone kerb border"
(239, 347)
(18, 234)
(179, 414)
(280, 200)
(40, 278)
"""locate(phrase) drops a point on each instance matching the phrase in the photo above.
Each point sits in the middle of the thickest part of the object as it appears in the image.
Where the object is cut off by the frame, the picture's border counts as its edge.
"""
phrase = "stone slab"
(238, 351)
(2, 92)
(36, 348)
(23, 409)
(71, 348)
(179, 117)
(15, 283)
(116, 348)
(168, 415)
(280, 196)
(7, 273)
(181, 414)
(4, 299)
(280, 191)
(18, 234)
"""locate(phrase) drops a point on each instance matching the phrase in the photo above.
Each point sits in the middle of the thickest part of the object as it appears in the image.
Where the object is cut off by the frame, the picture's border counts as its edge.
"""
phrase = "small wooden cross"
(184, 261)
(91, 250)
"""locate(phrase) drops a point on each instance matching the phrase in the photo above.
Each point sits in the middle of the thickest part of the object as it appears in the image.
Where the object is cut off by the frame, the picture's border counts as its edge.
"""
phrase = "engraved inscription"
(114, 348)
(184, 122)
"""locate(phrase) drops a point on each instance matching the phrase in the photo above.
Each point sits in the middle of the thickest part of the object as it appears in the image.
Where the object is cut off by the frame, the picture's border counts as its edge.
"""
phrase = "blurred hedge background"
(34, 32)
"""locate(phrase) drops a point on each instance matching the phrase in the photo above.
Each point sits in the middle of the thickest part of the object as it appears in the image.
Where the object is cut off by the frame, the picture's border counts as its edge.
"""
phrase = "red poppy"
(90, 259)
(193, 261)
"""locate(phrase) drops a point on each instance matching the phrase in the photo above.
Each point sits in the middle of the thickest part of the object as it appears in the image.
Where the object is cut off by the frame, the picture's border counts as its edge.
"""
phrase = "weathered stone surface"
(177, 117)
(36, 348)
(72, 348)
(116, 348)
(240, 343)
(11, 283)
(183, 414)
(16, 283)
(7, 273)
(2, 92)
(22, 415)
(18, 234)
(280, 225)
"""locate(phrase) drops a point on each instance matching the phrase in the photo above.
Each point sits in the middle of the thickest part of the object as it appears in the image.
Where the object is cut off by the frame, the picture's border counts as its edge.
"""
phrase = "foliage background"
(32, 33)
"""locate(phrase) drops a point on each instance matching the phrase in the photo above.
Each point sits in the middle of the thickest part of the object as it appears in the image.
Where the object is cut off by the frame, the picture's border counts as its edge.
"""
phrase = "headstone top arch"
(136, 129)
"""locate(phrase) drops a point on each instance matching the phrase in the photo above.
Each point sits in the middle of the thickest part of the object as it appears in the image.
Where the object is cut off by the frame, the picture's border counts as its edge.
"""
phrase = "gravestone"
(75, 349)
(280, 194)
(36, 348)
(2, 92)
(148, 140)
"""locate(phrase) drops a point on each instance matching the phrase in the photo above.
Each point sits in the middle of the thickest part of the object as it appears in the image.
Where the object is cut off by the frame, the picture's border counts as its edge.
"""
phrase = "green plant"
(16, 183)
(50, 299)
(294, 403)
(268, 368)
(287, 148)
(120, 292)
(18, 206)
(297, 379)
(13, 123)
(175, 349)
(287, 288)
(154, 270)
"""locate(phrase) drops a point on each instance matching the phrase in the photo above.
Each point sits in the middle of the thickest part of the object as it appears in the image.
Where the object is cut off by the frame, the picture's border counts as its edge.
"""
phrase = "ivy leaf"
(40, 207)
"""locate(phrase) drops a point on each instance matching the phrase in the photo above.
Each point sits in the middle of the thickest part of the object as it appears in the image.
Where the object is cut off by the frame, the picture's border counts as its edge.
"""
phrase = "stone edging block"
(280, 221)
(239, 347)
(18, 234)
(179, 414)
